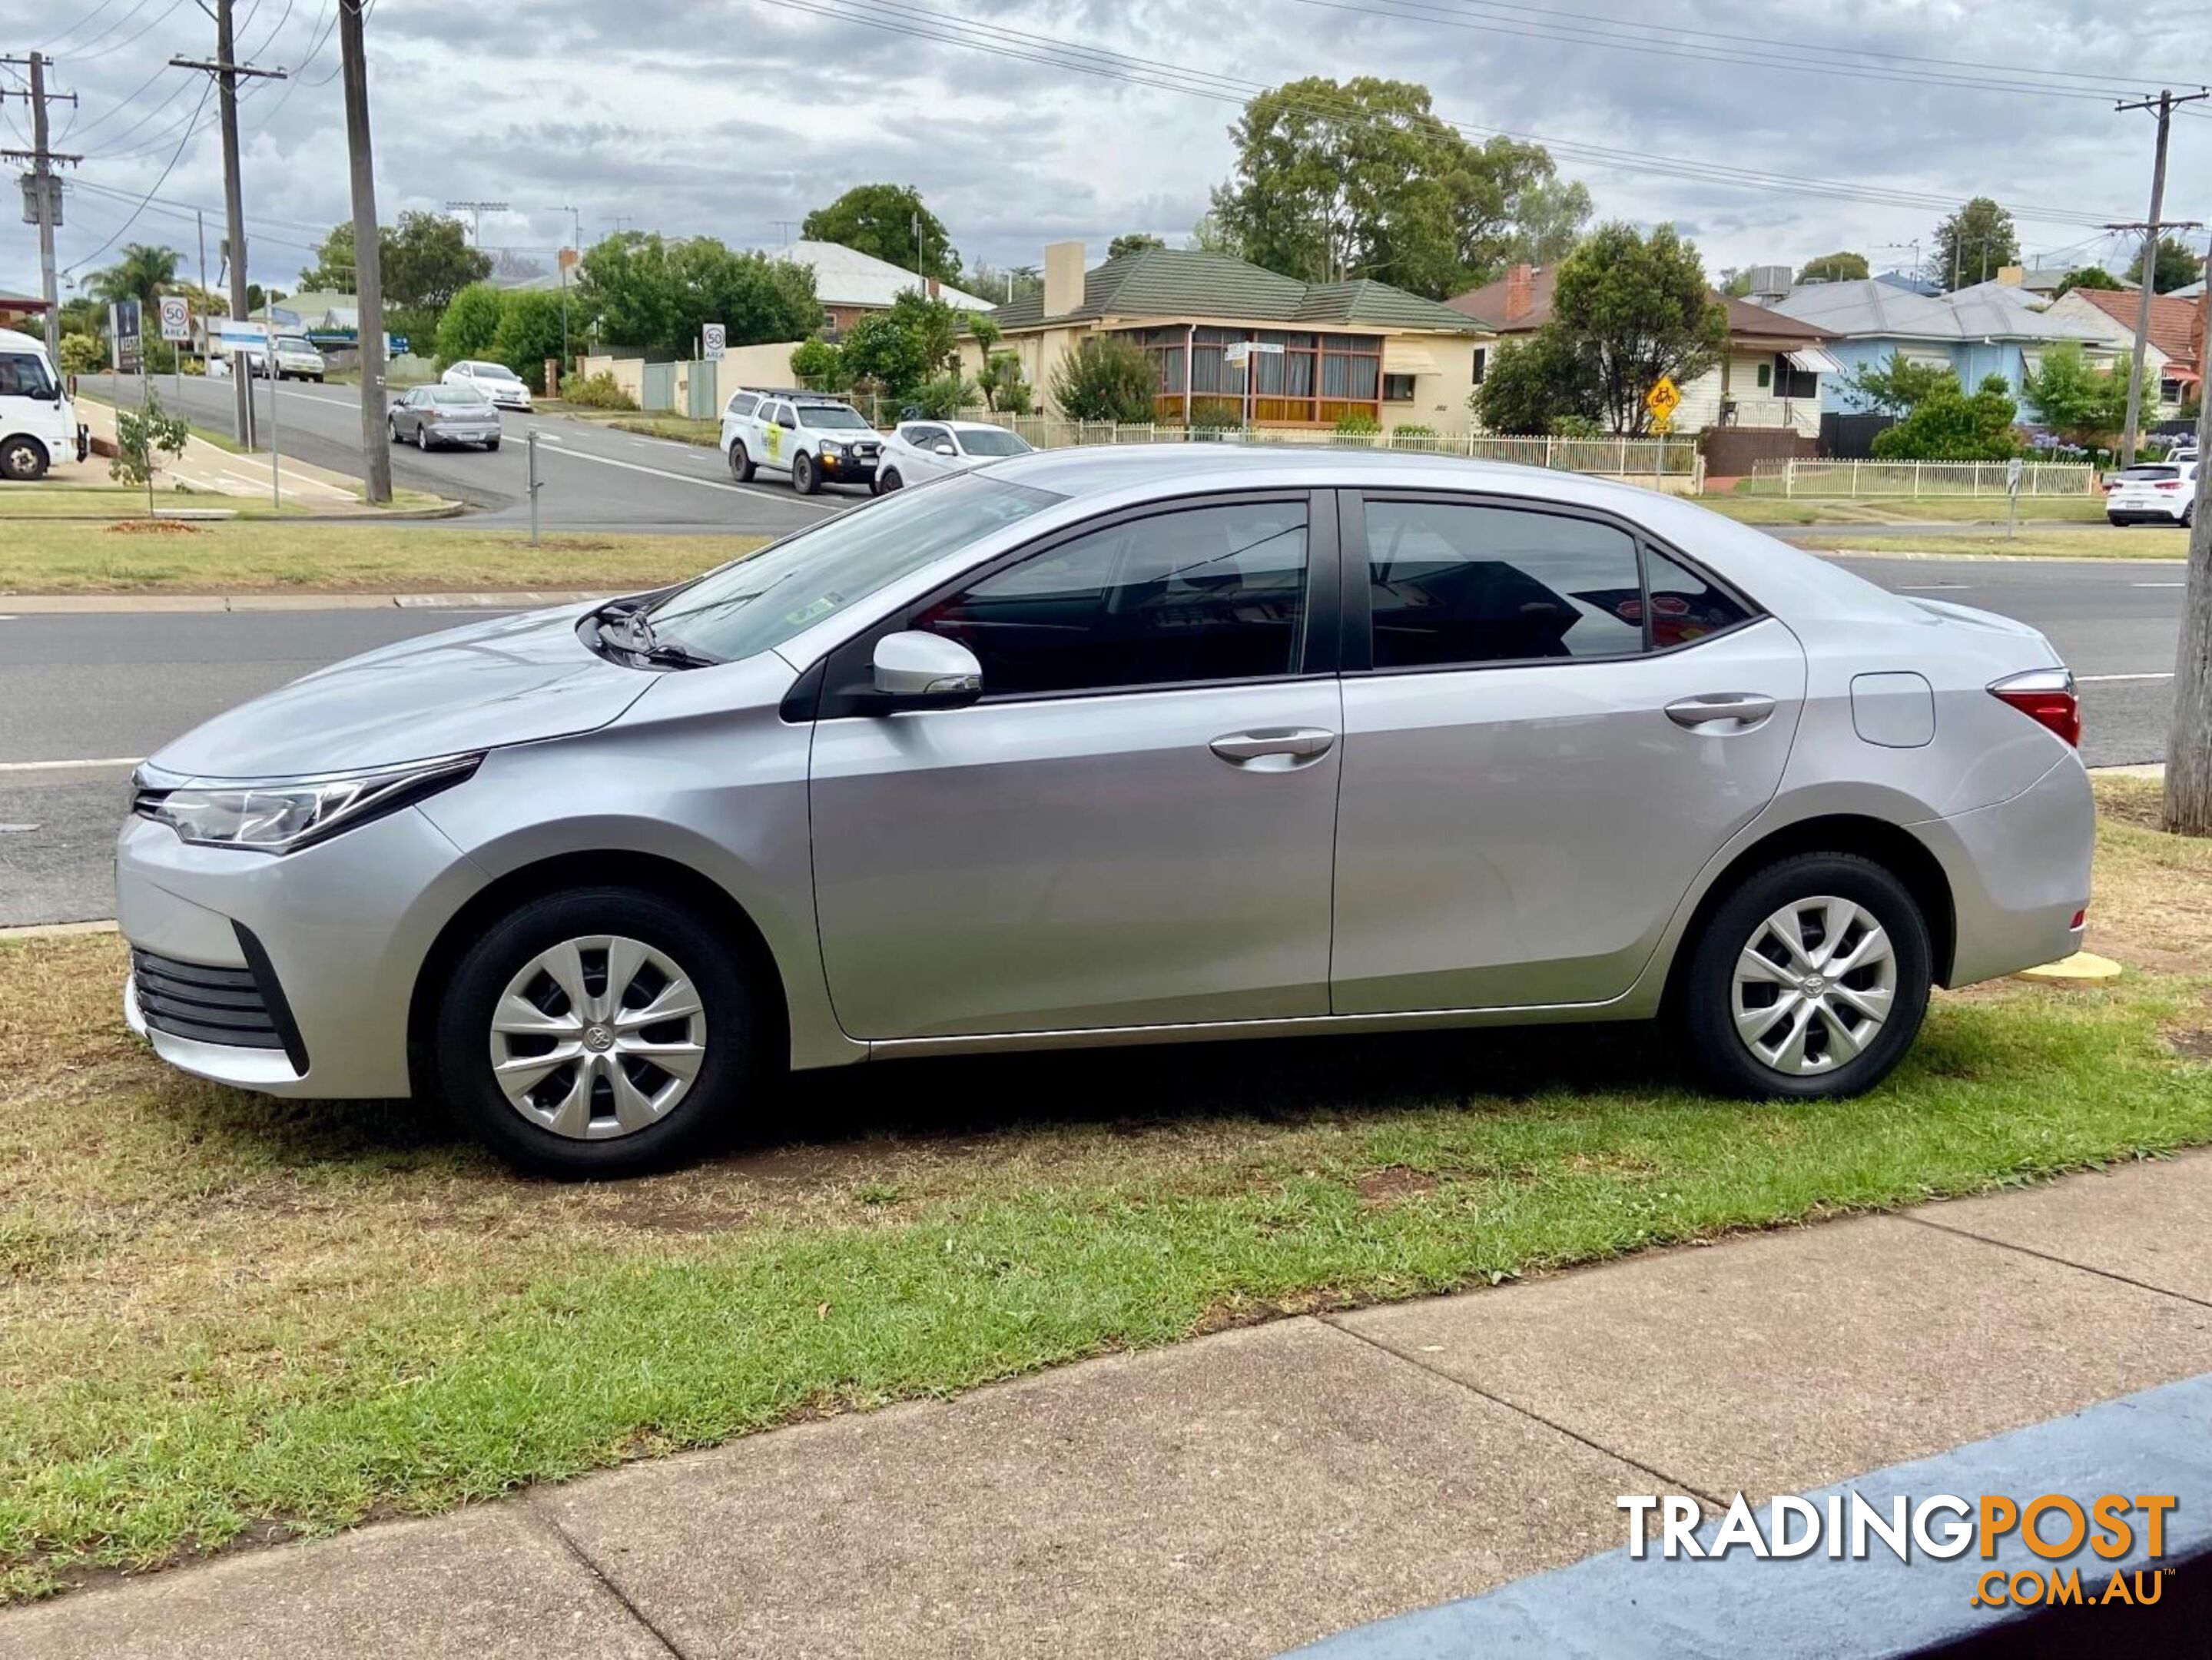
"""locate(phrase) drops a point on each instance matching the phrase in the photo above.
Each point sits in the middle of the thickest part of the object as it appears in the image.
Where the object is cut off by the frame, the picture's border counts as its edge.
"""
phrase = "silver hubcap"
(1814, 985)
(598, 1038)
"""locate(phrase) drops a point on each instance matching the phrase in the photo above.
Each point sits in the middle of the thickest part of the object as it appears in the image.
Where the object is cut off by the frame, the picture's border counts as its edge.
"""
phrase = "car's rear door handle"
(1721, 711)
(1288, 747)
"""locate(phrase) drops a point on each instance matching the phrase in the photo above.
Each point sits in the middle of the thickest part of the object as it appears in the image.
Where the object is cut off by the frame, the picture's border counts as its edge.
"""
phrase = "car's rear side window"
(1454, 583)
(1202, 594)
(743, 402)
(1685, 605)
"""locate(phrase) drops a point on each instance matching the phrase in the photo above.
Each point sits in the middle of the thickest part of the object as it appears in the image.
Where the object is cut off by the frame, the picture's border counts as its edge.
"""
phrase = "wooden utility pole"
(43, 190)
(226, 72)
(2189, 745)
(367, 257)
(2164, 104)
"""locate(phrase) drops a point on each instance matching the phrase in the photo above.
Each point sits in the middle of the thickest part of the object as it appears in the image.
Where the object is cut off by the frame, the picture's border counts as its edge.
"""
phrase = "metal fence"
(1629, 458)
(1797, 477)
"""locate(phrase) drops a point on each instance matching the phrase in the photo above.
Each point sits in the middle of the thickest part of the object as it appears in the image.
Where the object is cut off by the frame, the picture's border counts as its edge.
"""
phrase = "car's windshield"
(760, 603)
(991, 441)
(495, 372)
(831, 415)
(292, 343)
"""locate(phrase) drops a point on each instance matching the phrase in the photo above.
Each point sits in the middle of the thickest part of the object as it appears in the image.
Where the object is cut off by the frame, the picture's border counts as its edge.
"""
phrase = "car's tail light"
(2167, 484)
(2046, 697)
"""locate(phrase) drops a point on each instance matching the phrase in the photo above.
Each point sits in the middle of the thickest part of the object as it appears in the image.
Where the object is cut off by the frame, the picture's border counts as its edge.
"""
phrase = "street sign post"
(177, 329)
(2012, 497)
(714, 341)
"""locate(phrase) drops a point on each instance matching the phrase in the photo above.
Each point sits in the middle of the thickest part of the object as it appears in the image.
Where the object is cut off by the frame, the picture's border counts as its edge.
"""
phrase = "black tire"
(804, 479)
(22, 459)
(392, 430)
(741, 462)
(491, 443)
(1708, 1002)
(889, 481)
(423, 439)
(735, 1070)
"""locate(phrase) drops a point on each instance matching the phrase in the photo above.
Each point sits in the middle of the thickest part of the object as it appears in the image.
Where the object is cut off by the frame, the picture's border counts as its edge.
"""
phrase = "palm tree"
(140, 274)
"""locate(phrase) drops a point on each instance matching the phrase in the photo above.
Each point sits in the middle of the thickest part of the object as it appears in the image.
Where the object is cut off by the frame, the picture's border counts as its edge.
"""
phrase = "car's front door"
(1550, 725)
(1134, 826)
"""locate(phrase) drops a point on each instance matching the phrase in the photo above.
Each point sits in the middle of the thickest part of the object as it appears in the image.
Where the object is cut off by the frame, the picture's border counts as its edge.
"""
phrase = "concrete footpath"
(1248, 1492)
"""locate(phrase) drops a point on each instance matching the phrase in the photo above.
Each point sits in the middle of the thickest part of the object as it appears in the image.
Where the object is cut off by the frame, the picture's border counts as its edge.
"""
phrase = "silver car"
(428, 416)
(1112, 746)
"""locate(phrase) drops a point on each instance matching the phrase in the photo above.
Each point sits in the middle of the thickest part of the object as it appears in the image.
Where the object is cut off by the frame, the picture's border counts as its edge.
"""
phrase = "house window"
(1397, 388)
(828, 324)
(1791, 381)
(2169, 392)
(1481, 363)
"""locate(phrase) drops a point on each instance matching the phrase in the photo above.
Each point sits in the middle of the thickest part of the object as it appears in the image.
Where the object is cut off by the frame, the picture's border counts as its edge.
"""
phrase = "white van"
(38, 424)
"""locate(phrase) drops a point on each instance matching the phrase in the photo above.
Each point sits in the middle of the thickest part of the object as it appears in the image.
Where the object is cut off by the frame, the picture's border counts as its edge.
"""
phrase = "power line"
(79, 263)
(1024, 46)
(84, 22)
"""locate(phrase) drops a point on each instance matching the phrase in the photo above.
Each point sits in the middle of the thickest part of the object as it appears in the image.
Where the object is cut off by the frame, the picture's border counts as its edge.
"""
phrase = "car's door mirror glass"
(945, 448)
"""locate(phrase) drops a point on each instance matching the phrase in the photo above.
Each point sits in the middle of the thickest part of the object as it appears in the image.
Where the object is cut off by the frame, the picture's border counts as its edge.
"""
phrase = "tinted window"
(1684, 606)
(1210, 593)
(761, 602)
(922, 437)
(22, 375)
(1450, 584)
(992, 443)
(744, 404)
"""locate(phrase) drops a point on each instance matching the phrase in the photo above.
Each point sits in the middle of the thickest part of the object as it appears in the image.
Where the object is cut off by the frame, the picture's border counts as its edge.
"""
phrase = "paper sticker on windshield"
(813, 611)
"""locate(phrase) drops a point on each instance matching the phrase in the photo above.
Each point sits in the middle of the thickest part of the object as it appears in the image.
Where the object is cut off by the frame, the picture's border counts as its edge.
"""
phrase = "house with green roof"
(1236, 345)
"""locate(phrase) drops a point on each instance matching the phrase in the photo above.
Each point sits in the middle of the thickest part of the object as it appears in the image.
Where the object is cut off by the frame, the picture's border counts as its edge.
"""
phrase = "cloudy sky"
(733, 117)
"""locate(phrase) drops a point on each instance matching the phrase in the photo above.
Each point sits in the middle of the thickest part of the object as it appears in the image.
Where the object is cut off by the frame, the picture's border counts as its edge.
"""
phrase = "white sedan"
(919, 451)
(500, 384)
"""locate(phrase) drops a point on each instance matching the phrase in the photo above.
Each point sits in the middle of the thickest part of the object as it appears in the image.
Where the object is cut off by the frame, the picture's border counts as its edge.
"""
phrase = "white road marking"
(2158, 585)
(16, 829)
(70, 766)
(687, 478)
(2087, 679)
(1933, 587)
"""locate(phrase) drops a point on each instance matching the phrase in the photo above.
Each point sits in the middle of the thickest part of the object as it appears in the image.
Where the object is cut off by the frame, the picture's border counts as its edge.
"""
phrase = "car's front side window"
(1196, 595)
(1452, 583)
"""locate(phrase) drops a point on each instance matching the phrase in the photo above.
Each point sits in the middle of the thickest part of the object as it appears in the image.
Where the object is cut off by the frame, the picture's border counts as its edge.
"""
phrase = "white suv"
(816, 439)
(2158, 493)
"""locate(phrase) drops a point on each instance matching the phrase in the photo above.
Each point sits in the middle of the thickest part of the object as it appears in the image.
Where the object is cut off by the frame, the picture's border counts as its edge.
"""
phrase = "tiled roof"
(1186, 282)
(1877, 310)
(1486, 305)
(2174, 320)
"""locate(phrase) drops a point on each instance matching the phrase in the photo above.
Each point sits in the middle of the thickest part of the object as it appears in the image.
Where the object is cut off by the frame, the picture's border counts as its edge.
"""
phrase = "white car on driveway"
(816, 439)
(918, 450)
(501, 384)
(2157, 493)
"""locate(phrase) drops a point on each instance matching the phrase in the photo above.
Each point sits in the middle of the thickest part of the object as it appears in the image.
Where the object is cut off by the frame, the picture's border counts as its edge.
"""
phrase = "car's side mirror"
(945, 449)
(916, 671)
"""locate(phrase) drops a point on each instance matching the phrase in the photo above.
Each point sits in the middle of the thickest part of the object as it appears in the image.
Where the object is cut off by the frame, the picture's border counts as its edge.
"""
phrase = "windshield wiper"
(639, 639)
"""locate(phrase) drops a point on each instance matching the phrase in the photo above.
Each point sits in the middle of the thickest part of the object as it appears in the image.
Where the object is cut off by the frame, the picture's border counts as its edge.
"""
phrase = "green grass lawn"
(249, 555)
(2032, 542)
(222, 1313)
(1905, 509)
(682, 427)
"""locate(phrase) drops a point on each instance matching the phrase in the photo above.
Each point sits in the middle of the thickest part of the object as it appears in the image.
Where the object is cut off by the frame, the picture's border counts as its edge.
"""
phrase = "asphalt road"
(591, 478)
(74, 689)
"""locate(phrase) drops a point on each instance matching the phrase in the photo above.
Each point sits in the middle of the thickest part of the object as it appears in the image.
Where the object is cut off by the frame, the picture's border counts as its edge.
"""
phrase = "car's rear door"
(1134, 826)
(1551, 724)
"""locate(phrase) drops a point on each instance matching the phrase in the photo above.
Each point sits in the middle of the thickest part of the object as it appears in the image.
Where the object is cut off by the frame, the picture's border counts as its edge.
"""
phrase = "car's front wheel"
(889, 482)
(22, 459)
(1809, 981)
(803, 478)
(599, 1032)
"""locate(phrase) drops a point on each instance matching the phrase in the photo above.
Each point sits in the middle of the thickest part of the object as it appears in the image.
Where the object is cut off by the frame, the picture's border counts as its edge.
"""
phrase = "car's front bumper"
(849, 469)
(343, 928)
(505, 401)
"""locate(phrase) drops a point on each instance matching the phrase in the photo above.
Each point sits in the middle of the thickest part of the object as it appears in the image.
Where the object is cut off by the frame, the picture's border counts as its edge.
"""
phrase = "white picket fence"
(1673, 458)
(1795, 476)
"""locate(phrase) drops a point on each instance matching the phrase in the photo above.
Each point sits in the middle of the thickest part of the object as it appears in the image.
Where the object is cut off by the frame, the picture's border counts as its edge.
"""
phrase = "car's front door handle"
(1286, 746)
(1721, 711)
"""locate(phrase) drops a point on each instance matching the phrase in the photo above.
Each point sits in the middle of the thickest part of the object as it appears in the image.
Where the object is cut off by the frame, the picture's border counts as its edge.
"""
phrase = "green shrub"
(1356, 421)
(595, 392)
(1105, 378)
(819, 366)
(942, 397)
(1412, 429)
(82, 354)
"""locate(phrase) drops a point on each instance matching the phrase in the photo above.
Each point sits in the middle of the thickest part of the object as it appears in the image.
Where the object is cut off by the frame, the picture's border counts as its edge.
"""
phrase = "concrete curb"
(53, 930)
(67, 605)
(236, 515)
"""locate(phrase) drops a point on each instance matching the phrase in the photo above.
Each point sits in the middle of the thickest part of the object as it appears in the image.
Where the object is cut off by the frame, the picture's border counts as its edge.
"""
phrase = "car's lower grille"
(211, 1005)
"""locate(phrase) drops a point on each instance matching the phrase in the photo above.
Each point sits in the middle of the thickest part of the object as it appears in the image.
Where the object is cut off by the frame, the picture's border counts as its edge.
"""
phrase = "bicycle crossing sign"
(1663, 400)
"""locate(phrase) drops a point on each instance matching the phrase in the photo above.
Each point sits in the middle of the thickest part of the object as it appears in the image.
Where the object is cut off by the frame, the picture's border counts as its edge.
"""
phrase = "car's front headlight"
(277, 815)
(831, 447)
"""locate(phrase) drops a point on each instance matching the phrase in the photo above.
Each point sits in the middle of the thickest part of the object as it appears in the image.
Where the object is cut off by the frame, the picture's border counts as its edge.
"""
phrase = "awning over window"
(1813, 361)
(1404, 358)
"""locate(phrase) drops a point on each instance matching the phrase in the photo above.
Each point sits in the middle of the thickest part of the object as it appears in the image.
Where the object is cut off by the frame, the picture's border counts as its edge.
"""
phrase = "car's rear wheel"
(423, 439)
(889, 481)
(1810, 980)
(599, 1032)
(741, 462)
(802, 474)
(392, 430)
(491, 443)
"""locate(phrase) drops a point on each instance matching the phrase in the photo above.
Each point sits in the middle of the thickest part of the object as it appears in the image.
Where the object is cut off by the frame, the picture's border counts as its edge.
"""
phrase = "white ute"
(817, 439)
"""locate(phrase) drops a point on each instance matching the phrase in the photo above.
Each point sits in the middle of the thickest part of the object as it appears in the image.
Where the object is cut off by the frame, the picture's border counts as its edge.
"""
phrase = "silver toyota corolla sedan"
(1110, 746)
